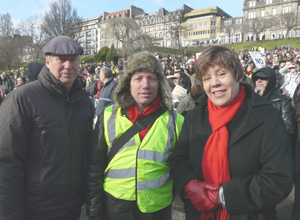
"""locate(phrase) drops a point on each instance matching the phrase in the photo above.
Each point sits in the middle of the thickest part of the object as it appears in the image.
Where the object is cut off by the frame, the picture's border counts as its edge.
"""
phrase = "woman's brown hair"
(222, 57)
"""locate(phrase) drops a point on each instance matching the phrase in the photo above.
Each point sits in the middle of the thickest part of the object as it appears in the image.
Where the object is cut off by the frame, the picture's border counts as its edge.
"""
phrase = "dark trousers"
(73, 216)
(118, 209)
(296, 207)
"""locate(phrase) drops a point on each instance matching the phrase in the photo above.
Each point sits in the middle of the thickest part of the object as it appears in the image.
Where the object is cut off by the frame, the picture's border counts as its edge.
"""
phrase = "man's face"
(261, 84)
(177, 80)
(292, 69)
(91, 79)
(97, 70)
(143, 88)
(64, 68)
(20, 81)
(102, 77)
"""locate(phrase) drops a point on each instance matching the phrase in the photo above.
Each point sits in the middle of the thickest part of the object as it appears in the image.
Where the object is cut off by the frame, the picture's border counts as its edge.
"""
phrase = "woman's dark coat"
(259, 153)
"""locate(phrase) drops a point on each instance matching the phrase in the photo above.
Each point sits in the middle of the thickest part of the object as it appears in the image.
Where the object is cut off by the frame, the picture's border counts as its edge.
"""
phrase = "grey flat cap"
(62, 45)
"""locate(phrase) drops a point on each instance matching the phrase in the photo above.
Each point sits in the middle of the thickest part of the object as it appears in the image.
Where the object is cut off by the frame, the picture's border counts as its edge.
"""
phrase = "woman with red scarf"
(233, 158)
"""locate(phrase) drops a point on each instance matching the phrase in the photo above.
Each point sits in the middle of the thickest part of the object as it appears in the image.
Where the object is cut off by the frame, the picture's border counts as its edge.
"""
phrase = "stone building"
(202, 26)
(277, 14)
(164, 26)
(89, 37)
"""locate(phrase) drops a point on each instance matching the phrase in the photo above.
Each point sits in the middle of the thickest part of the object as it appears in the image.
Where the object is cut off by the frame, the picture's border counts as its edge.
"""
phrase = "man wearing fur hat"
(135, 183)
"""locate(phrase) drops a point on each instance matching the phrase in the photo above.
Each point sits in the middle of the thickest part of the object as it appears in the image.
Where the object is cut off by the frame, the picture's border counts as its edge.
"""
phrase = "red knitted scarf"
(134, 114)
(215, 165)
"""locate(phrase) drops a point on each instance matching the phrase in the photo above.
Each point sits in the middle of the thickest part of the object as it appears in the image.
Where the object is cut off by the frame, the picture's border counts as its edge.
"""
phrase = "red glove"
(203, 195)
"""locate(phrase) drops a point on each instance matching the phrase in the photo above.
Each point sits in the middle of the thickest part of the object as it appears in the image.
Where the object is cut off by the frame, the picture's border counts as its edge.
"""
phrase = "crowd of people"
(124, 137)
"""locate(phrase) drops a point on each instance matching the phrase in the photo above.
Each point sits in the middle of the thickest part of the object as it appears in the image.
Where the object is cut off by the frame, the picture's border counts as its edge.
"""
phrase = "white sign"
(257, 59)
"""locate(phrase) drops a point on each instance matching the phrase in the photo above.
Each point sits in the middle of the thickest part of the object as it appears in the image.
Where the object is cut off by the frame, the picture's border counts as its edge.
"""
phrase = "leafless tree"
(176, 29)
(289, 21)
(9, 43)
(229, 28)
(61, 19)
(257, 26)
(32, 28)
(126, 32)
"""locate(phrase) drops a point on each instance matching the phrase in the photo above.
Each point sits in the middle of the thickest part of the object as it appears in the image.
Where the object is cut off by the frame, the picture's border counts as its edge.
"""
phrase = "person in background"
(108, 88)
(21, 81)
(188, 103)
(290, 80)
(7, 85)
(264, 80)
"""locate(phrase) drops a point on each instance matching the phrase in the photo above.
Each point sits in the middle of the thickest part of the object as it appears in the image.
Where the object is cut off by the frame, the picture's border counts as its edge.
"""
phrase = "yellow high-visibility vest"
(140, 170)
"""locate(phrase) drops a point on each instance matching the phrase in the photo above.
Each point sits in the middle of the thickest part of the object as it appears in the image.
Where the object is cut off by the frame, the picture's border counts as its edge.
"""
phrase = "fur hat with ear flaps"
(138, 62)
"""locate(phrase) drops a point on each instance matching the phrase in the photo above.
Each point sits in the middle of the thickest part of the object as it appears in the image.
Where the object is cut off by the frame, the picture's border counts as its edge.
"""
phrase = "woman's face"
(249, 68)
(220, 86)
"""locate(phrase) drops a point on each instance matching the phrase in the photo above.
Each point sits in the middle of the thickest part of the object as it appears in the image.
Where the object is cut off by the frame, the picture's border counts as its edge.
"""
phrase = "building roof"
(126, 11)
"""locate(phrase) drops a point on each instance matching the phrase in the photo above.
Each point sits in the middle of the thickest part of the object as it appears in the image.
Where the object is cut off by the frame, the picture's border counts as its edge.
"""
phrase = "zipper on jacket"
(43, 137)
(68, 106)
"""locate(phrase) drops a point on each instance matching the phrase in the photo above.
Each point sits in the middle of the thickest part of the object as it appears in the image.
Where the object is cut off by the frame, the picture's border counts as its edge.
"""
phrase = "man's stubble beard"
(260, 92)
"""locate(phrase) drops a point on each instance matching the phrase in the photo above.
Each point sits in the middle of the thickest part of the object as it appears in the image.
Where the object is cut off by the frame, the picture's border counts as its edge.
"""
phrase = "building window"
(262, 14)
(213, 31)
(251, 15)
(251, 4)
(286, 9)
(268, 2)
(213, 23)
(207, 23)
(124, 14)
(160, 34)
(274, 11)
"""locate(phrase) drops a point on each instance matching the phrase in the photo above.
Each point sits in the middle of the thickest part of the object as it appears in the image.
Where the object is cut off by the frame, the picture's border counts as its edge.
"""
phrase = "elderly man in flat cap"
(44, 131)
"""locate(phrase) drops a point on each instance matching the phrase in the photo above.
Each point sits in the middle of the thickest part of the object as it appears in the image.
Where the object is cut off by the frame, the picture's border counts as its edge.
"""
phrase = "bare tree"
(228, 27)
(9, 43)
(176, 29)
(126, 31)
(32, 28)
(257, 26)
(61, 19)
(289, 21)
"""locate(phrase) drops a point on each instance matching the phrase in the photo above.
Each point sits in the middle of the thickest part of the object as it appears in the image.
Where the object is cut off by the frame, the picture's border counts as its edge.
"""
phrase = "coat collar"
(246, 118)
(47, 79)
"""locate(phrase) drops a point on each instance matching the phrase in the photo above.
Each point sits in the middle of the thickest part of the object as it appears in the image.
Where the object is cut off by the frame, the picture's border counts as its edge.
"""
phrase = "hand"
(201, 195)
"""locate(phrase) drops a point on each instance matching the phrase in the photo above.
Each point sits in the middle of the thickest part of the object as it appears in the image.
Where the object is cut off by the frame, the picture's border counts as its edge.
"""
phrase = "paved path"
(284, 209)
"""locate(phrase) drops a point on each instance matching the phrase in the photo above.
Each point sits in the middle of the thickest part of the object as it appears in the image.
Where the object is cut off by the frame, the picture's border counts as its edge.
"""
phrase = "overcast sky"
(21, 9)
